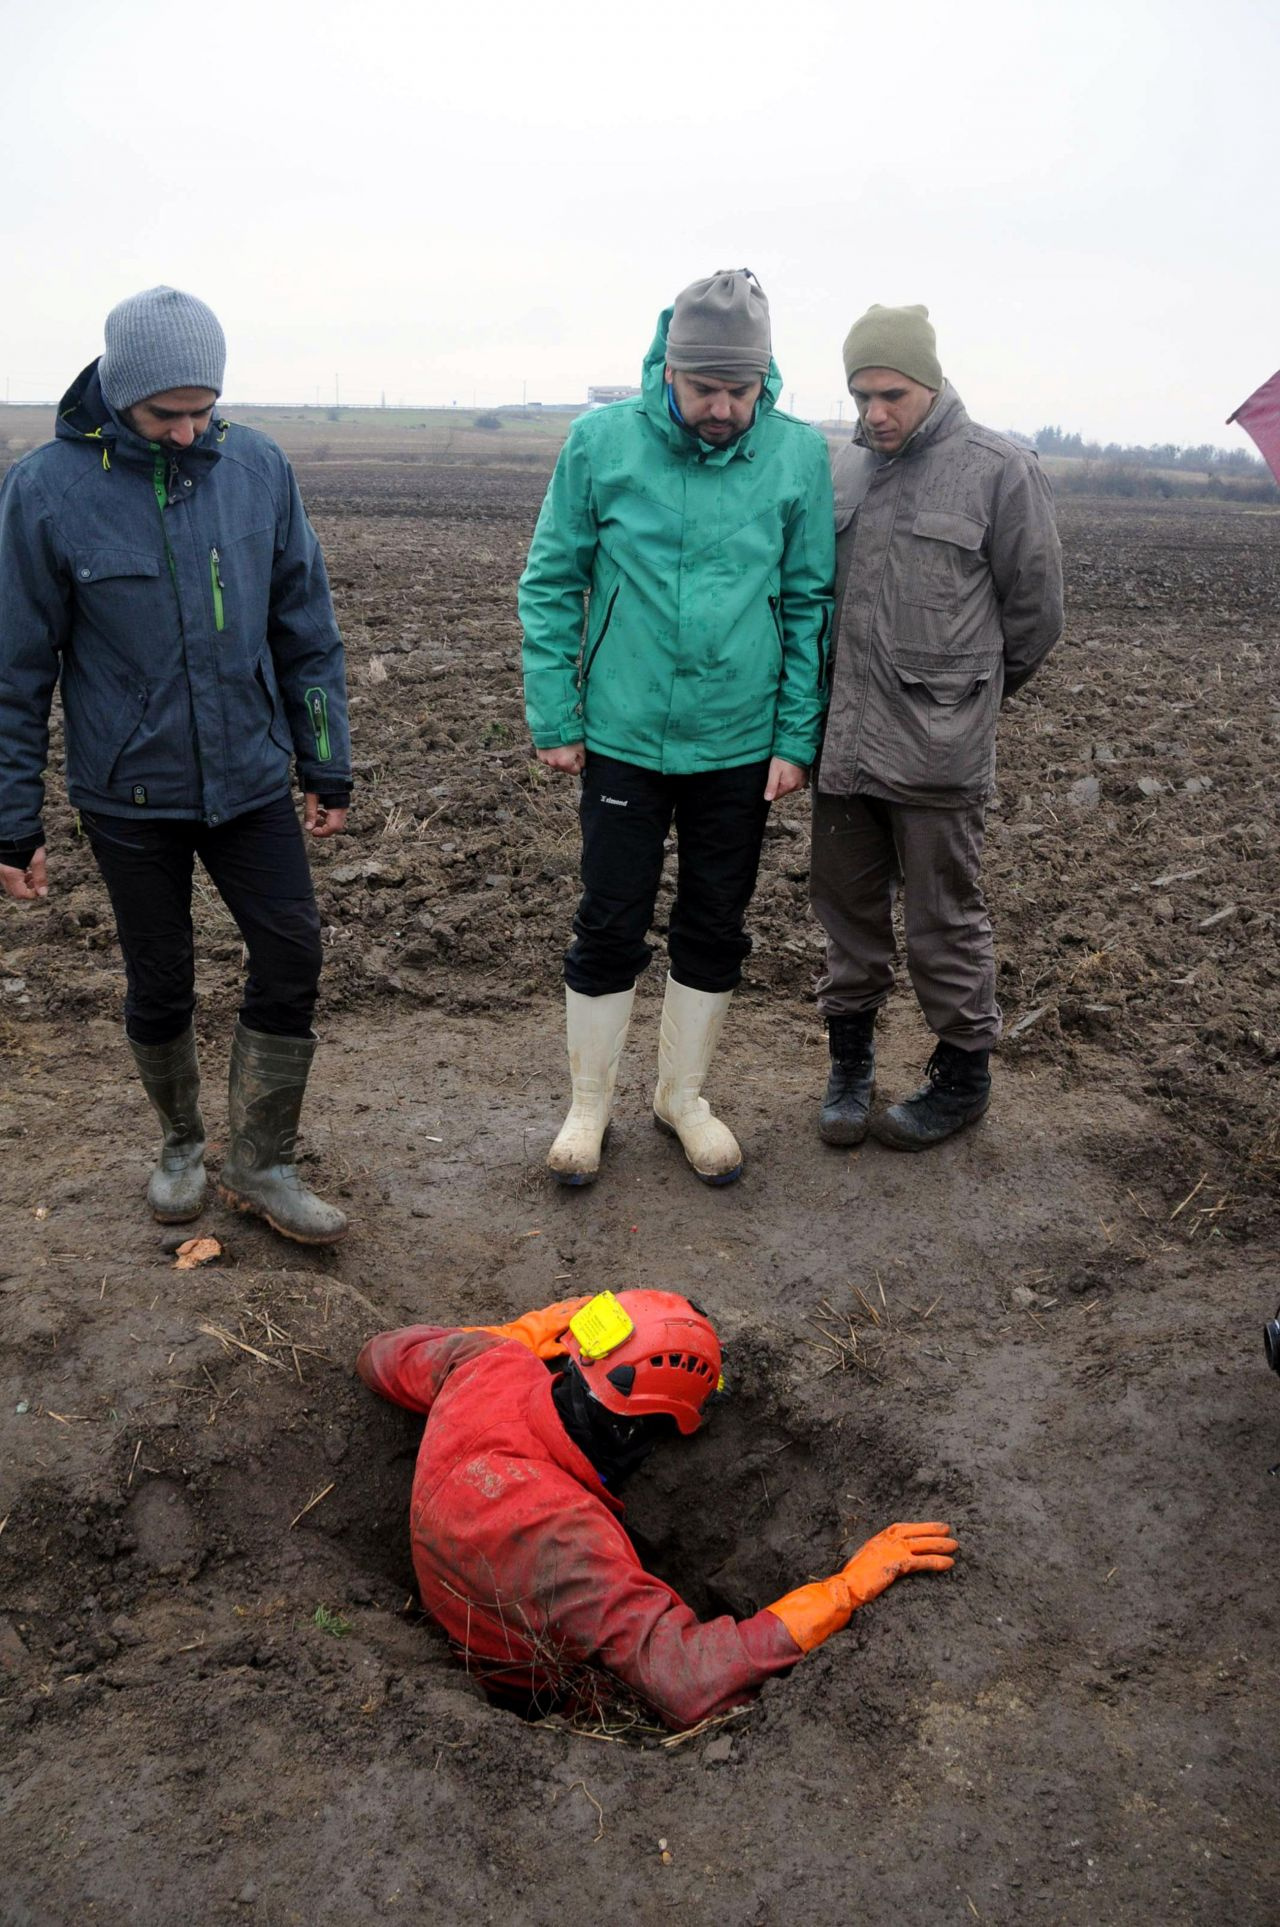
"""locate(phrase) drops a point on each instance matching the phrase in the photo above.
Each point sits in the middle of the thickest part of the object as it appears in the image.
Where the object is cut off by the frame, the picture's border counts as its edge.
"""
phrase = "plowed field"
(1047, 1332)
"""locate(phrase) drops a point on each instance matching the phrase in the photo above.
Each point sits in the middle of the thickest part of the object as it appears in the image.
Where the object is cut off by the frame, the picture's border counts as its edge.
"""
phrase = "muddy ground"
(1047, 1332)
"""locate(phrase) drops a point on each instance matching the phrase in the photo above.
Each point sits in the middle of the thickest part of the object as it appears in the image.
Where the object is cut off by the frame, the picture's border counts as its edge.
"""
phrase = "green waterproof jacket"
(707, 575)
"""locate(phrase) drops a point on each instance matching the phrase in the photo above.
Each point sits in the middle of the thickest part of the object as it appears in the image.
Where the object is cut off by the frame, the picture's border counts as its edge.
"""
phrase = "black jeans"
(258, 865)
(720, 816)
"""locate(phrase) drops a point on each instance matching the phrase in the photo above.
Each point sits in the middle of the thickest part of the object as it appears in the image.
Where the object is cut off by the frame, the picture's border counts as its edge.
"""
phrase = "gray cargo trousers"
(865, 851)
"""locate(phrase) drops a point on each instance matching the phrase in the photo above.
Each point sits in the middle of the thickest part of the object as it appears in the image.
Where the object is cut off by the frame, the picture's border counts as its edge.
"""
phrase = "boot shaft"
(964, 1073)
(267, 1085)
(170, 1076)
(265, 1091)
(851, 1040)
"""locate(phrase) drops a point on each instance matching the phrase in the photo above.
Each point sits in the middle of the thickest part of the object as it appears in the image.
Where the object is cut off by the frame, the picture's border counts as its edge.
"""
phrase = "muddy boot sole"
(179, 1217)
(250, 1210)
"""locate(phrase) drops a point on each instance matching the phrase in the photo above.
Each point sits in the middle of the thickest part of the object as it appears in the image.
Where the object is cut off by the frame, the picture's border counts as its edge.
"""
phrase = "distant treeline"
(1161, 469)
(1204, 459)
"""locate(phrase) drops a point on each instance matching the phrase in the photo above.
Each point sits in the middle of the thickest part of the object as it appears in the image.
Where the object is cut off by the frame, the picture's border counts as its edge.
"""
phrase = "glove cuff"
(811, 1614)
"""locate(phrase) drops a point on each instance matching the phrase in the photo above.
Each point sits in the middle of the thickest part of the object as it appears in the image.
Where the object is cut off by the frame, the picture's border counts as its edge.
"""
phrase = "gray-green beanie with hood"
(897, 338)
(720, 326)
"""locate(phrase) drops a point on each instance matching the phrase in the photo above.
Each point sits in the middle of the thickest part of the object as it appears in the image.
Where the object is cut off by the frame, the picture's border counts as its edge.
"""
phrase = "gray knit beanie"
(720, 326)
(159, 340)
(898, 338)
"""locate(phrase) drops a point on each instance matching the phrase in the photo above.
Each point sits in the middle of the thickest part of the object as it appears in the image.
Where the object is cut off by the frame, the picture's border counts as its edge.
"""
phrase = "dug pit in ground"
(767, 1496)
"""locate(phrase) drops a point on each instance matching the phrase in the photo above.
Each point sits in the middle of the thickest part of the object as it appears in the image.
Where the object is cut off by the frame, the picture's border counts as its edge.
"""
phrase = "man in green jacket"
(696, 523)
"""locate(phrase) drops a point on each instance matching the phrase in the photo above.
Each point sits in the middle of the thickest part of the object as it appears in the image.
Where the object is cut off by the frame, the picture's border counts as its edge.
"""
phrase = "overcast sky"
(451, 204)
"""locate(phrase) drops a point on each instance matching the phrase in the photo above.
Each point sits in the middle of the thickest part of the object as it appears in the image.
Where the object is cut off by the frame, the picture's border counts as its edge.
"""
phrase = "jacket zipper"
(777, 620)
(604, 630)
(215, 579)
(160, 485)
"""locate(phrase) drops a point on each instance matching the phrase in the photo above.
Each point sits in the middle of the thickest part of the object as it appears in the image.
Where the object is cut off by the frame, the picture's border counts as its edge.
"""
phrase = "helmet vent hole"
(623, 1377)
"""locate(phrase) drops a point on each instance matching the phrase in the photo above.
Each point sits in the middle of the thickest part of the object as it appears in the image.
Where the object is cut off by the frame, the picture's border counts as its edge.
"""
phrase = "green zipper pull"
(318, 706)
(215, 579)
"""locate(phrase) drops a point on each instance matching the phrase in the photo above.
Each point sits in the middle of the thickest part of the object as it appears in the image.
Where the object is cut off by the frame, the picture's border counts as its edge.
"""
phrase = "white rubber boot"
(596, 1028)
(691, 1025)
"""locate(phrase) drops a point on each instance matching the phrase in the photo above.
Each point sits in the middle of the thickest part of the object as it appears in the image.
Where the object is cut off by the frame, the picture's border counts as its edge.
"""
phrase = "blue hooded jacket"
(182, 598)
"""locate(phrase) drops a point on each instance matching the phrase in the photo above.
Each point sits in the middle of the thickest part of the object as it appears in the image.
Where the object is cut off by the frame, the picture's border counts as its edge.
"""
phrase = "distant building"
(601, 397)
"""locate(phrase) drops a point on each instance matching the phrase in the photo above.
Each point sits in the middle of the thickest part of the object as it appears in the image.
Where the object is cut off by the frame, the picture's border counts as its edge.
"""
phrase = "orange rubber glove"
(812, 1613)
(539, 1331)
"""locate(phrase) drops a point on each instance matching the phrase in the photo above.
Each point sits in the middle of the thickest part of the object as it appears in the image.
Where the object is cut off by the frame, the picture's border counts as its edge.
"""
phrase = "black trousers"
(627, 813)
(258, 865)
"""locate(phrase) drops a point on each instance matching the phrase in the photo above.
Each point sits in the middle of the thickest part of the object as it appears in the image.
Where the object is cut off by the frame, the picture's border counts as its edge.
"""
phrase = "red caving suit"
(520, 1551)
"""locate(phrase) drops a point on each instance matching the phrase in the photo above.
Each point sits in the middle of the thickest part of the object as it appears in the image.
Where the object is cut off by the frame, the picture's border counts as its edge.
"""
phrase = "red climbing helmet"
(646, 1353)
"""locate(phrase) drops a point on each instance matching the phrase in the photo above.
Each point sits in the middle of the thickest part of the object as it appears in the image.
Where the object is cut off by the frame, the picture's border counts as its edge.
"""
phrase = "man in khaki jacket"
(948, 598)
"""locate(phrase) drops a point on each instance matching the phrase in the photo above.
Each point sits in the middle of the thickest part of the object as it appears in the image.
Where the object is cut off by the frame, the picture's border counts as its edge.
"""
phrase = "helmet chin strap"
(614, 1445)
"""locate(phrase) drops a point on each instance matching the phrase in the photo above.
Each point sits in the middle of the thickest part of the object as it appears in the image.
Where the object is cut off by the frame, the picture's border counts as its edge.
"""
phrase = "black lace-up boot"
(956, 1091)
(851, 1085)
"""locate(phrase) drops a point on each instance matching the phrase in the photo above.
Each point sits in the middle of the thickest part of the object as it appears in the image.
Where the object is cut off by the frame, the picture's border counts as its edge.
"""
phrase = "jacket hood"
(653, 391)
(947, 417)
(85, 415)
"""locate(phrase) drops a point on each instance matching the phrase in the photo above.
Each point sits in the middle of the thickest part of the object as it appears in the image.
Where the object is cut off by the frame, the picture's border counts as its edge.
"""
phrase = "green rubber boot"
(170, 1076)
(259, 1175)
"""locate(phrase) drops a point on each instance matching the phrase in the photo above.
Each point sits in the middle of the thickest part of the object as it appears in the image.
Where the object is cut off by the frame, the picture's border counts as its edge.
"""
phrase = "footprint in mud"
(166, 1535)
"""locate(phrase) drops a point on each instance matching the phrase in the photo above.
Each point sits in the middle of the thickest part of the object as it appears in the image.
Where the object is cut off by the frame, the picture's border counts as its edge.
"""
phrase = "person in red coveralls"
(518, 1542)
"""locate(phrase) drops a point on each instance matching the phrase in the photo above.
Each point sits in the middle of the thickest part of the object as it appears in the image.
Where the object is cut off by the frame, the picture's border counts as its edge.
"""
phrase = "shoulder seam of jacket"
(992, 439)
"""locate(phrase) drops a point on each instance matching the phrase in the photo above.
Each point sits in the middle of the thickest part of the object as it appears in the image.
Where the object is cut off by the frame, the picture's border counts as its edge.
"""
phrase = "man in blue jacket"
(158, 561)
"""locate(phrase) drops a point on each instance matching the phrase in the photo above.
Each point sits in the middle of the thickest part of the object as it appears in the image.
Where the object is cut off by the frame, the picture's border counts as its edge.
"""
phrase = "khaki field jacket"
(948, 598)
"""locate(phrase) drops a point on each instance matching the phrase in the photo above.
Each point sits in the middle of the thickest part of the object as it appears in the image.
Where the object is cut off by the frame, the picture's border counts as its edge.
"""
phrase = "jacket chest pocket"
(941, 556)
(114, 582)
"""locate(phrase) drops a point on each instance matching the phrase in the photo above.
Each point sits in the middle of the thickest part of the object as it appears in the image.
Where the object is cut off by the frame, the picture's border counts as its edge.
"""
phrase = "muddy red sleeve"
(409, 1366)
(689, 1669)
(602, 1606)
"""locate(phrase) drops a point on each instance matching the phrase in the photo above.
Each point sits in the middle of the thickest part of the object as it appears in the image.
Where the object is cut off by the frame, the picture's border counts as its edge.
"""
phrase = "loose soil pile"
(217, 1695)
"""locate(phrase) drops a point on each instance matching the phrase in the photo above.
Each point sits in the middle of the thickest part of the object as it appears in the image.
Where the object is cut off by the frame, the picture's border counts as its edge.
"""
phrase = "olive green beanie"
(898, 338)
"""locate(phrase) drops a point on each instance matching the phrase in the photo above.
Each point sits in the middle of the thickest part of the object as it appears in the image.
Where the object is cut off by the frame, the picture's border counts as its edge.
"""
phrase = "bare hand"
(28, 883)
(783, 778)
(569, 757)
(319, 820)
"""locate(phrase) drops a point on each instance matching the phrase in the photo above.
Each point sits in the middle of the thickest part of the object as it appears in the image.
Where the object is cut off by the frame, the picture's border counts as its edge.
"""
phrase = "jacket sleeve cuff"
(334, 799)
(803, 755)
(329, 782)
(16, 856)
(572, 731)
